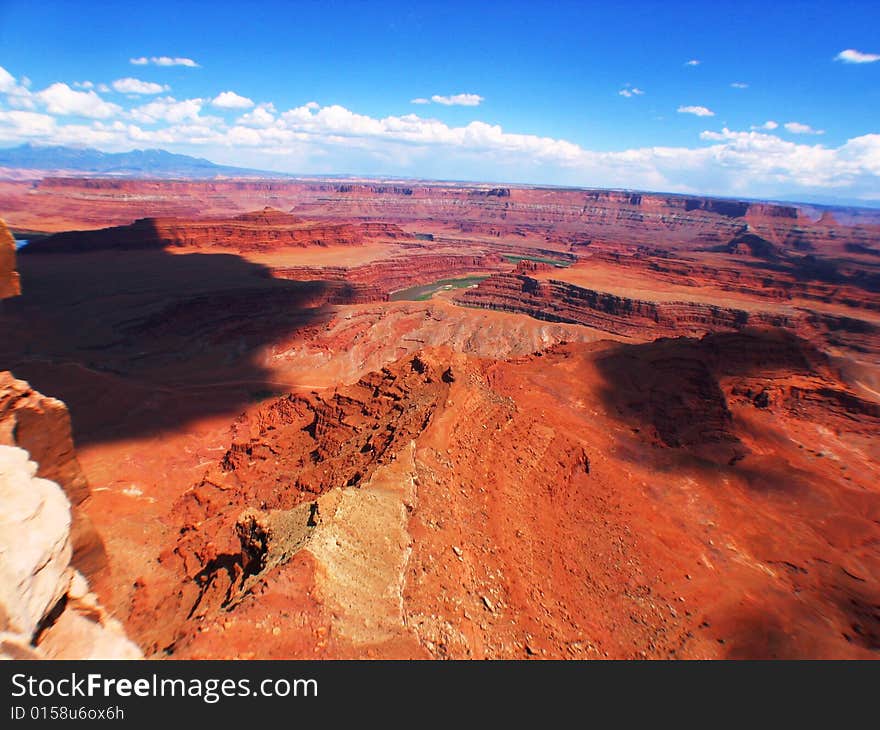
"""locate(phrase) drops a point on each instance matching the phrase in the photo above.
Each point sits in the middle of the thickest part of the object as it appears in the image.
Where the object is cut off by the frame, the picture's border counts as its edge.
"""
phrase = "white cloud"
(769, 125)
(18, 96)
(231, 100)
(850, 55)
(7, 81)
(163, 61)
(315, 138)
(263, 116)
(692, 62)
(17, 126)
(630, 92)
(798, 128)
(739, 85)
(699, 111)
(451, 100)
(168, 109)
(83, 85)
(129, 85)
(458, 99)
(59, 98)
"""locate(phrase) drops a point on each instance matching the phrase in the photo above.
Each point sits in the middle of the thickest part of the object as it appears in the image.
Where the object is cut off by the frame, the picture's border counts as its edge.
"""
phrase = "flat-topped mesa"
(269, 216)
(752, 266)
(553, 300)
(559, 301)
(267, 229)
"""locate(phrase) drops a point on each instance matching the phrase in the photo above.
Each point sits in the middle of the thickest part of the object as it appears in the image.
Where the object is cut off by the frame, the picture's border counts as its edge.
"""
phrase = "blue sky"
(746, 98)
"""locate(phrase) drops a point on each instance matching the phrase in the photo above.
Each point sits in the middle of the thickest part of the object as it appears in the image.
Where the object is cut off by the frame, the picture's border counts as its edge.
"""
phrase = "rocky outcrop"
(41, 425)
(261, 230)
(9, 283)
(46, 607)
(282, 458)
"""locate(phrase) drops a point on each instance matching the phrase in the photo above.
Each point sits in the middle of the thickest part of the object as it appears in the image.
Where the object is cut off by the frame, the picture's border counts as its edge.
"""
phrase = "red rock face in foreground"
(41, 426)
(9, 286)
(587, 502)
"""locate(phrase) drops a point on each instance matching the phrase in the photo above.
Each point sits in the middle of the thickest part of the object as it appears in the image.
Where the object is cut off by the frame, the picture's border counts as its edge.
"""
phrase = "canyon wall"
(394, 274)
(566, 217)
(255, 231)
(9, 283)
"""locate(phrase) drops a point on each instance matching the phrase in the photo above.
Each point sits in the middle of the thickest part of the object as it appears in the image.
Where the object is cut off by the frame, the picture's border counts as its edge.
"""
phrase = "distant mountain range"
(137, 163)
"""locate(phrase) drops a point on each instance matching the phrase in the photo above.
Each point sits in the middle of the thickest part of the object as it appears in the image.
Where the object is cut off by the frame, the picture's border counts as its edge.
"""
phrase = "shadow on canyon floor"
(669, 390)
(810, 534)
(138, 342)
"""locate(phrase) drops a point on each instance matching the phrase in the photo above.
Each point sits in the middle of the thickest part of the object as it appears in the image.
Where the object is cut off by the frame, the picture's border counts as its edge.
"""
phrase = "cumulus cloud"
(420, 100)
(7, 81)
(231, 100)
(769, 125)
(630, 91)
(168, 109)
(18, 96)
(163, 61)
(262, 117)
(699, 111)
(21, 125)
(851, 55)
(453, 100)
(59, 98)
(692, 62)
(83, 85)
(798, 128)
(129, 85)
(739, 85)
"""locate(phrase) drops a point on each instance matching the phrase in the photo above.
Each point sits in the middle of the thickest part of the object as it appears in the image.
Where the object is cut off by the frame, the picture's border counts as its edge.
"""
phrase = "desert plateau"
(335, 419)
(346, 345)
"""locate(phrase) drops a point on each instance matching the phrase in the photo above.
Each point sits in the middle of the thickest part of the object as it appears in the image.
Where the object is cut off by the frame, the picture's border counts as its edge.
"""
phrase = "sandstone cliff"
(46, 608)
(9, 284)
(41, 425)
